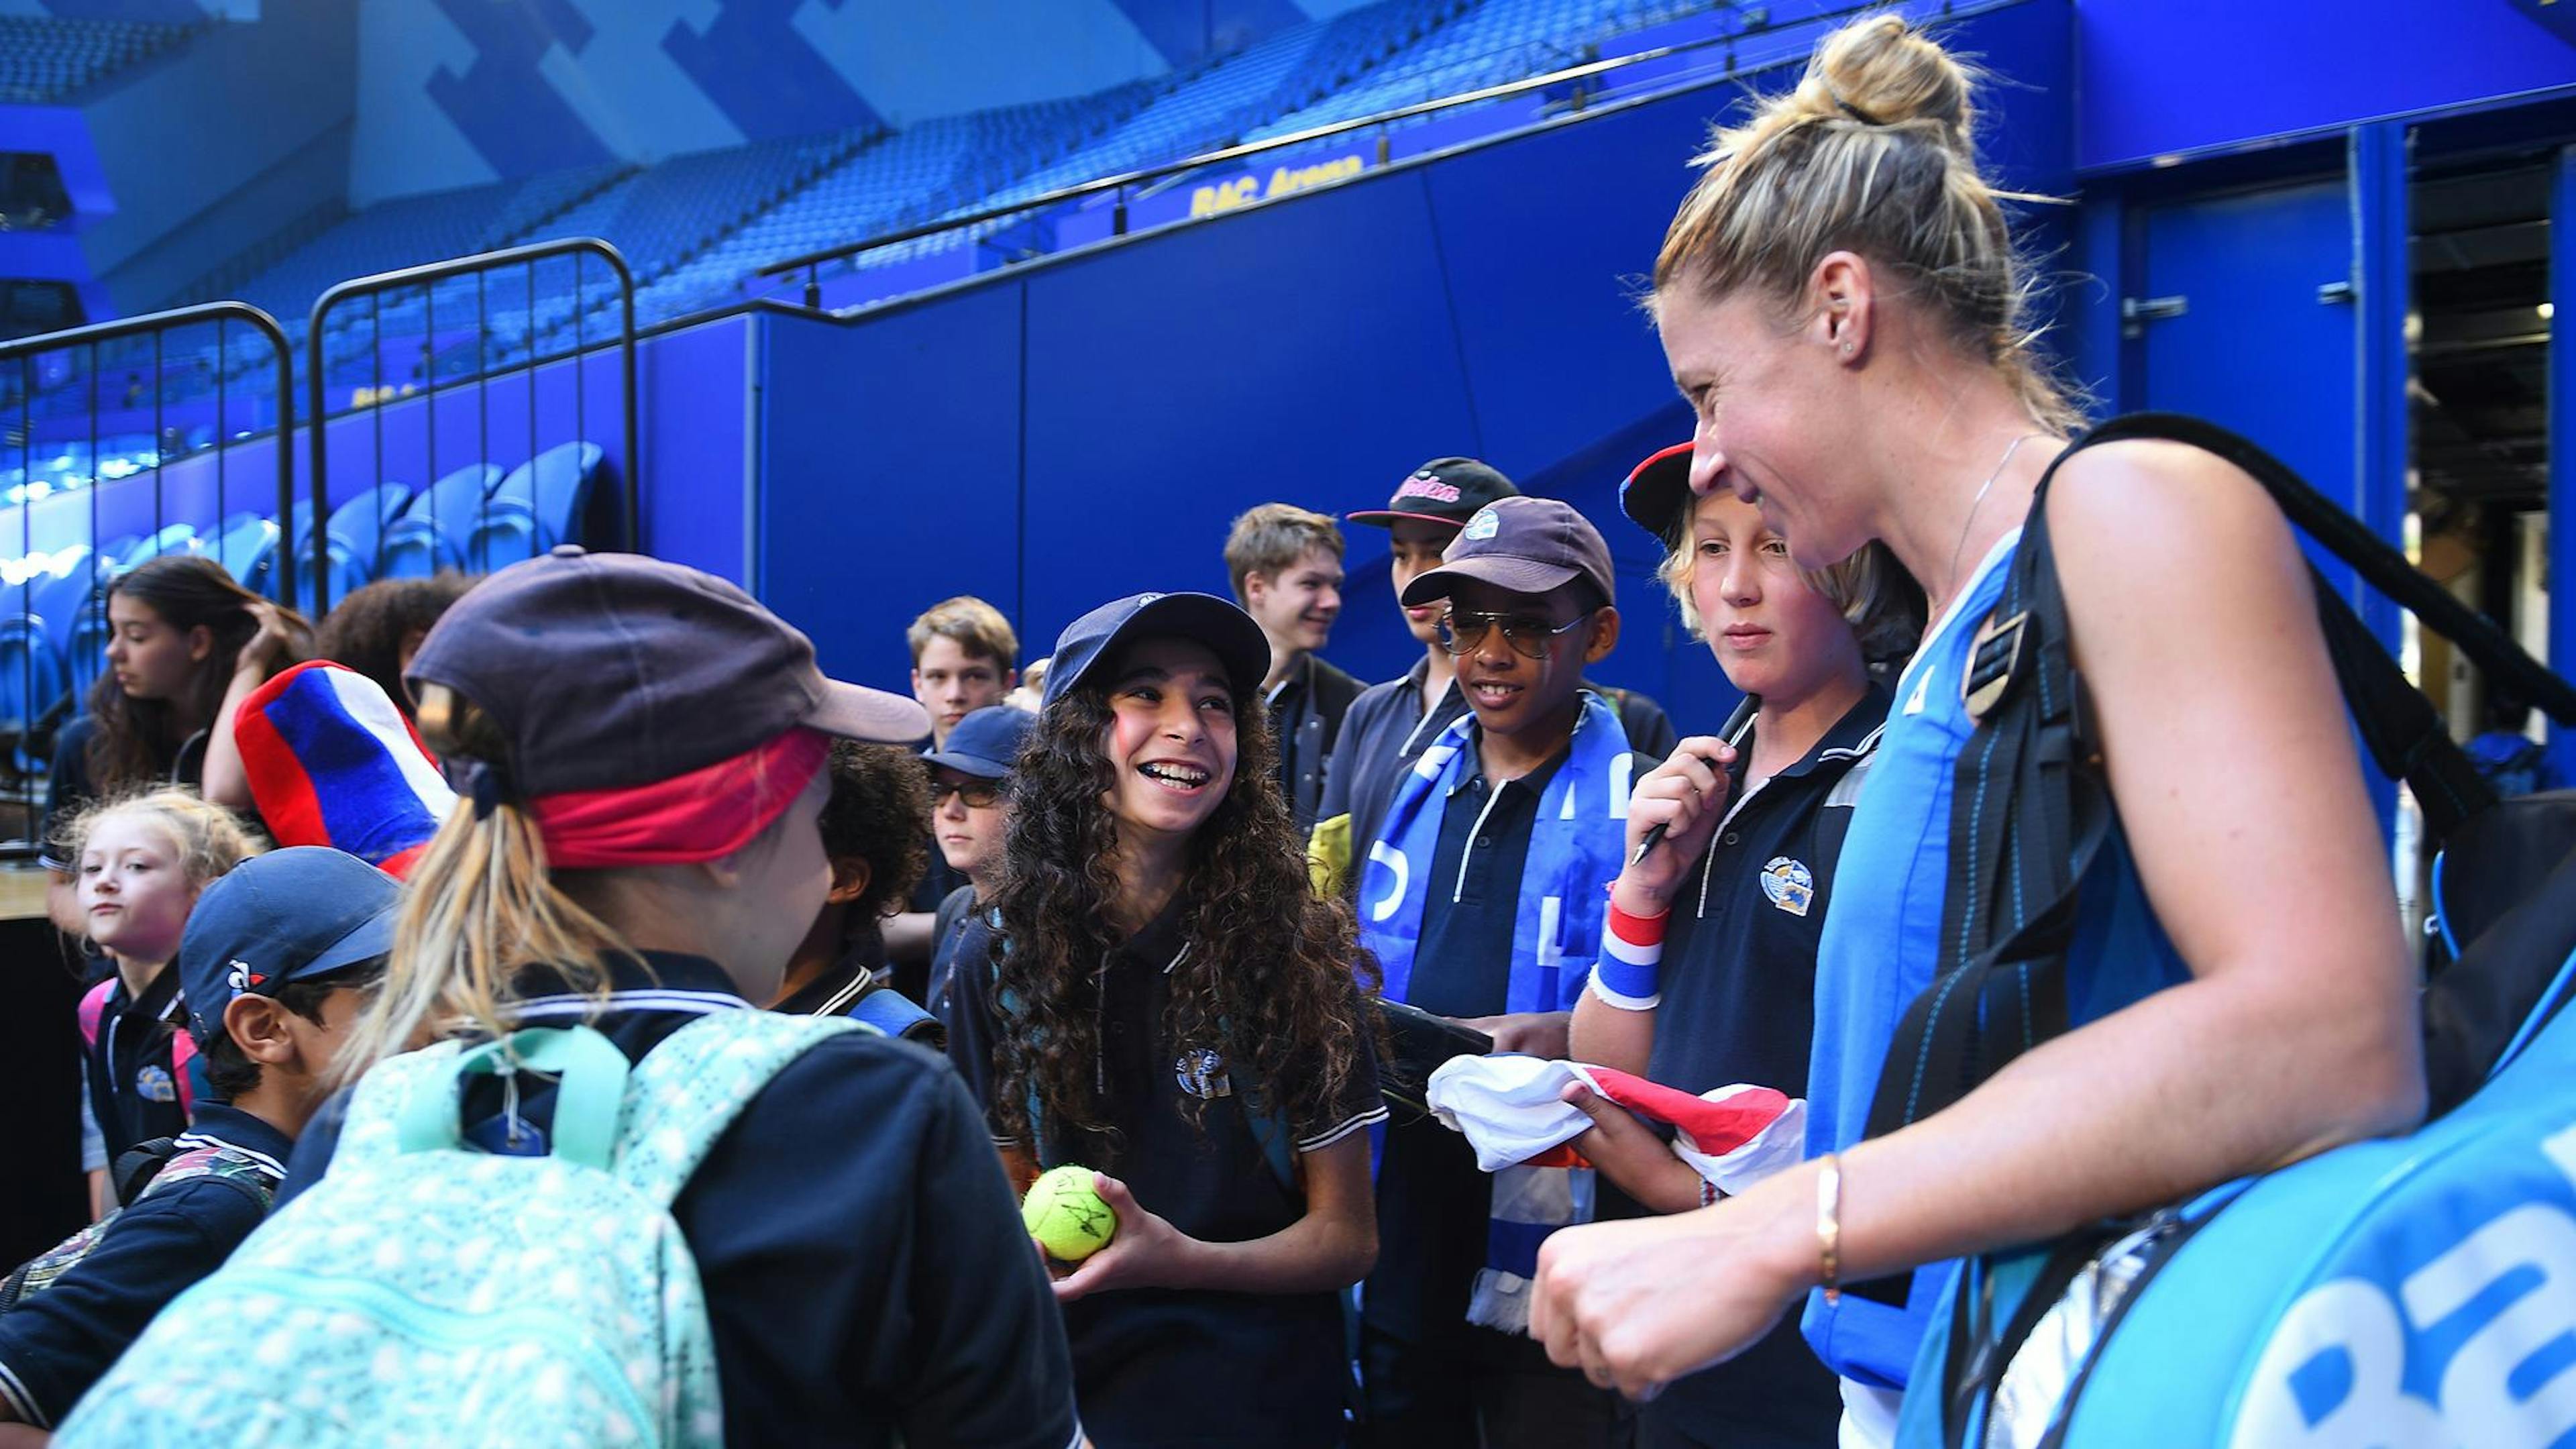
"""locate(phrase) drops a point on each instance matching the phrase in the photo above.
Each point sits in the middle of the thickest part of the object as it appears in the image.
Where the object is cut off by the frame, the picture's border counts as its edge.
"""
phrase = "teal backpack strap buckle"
(590, 1075)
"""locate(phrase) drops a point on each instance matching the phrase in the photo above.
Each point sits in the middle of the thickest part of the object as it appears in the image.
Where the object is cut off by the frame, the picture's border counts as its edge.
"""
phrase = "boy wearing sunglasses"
(1482, 898)
(970, 812)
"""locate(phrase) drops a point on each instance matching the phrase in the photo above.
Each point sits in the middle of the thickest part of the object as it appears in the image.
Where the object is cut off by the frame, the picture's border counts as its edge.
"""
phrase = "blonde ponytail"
(481, 906)
(1872, 153)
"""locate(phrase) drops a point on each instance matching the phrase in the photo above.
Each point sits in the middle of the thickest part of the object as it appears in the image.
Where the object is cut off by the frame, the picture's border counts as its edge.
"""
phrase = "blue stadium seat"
(248, 551)
(32, 676)
(84, 635)
(433, 533)
(353, 539)
(548, 500)
(175, 538)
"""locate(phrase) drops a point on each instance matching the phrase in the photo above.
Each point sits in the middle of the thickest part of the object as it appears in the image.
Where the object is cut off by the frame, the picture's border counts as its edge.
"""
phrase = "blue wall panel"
(2167, 76)
(1555, 345)
(1313, 350)
(1299, 353)
(891, 455)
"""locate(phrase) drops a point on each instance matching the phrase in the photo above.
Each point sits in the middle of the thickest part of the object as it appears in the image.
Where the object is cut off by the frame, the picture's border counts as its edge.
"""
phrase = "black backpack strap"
(2406, 735)
(2028, 813)
(137, 1166)
(2030, 807)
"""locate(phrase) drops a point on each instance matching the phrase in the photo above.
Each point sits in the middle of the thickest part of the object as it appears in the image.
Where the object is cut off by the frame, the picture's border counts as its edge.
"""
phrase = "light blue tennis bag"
(2419, 1291)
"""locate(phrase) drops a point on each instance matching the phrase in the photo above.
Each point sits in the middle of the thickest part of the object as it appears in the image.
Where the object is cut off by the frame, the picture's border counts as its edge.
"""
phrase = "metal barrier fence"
(73, 472)
(376, 397)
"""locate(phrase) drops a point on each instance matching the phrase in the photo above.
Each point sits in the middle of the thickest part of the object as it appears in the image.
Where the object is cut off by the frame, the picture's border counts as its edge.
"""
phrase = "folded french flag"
(332, 762)
(1512, 1110)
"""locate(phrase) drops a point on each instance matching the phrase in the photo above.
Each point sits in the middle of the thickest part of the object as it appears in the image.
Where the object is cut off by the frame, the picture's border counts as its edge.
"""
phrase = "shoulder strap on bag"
(690, 1087)
(2031, 808)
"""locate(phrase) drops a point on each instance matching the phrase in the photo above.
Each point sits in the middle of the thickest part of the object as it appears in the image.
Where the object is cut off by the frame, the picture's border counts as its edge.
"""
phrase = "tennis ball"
(1066, 1217)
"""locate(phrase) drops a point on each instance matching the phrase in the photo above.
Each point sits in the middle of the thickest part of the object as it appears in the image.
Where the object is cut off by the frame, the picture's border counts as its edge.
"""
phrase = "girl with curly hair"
(1174, 1006)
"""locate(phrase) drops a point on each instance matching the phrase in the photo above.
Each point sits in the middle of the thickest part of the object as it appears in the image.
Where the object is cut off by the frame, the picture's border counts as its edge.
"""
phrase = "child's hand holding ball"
(1090, 1220)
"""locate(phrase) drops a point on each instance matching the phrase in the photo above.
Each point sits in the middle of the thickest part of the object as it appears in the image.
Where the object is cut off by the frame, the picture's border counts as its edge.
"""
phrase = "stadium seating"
(173, 538)
(352, 540)
(436, 530)
(31, 676)
(543, 502)
(44, 58)
(247, 548)
(1492, 43)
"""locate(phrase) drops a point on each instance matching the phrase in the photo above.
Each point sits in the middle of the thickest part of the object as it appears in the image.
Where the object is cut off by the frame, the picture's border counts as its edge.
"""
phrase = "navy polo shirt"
(866, 1274)
(133, 1091)
(1739, 1005)
(1197, 1367)
(961, 940)
(856, 986)
(61, 1340)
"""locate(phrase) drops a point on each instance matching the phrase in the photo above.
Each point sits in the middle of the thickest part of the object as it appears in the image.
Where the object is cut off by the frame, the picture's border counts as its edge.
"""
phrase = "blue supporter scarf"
(1574, 854)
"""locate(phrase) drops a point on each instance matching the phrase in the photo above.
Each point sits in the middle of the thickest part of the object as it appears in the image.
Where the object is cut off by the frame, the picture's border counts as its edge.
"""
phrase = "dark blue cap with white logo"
(1239, 644)
(298, 914)
(985, 742)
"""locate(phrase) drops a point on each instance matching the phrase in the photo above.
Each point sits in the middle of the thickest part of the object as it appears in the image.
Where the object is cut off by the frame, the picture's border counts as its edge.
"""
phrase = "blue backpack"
(427, 1293)
(2417, 1290)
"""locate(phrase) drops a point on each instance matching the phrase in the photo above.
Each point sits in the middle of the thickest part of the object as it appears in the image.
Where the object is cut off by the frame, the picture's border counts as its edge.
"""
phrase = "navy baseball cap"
(298, 914)
(985, 742)
(1239, 644)
(1525, 545)
(1657, 490)
(1444, 490)
(611, 670)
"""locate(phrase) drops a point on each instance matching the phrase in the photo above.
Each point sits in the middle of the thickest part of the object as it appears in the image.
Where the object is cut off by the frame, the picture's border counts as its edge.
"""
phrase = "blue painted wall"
(2165, 77)
(1044, 438)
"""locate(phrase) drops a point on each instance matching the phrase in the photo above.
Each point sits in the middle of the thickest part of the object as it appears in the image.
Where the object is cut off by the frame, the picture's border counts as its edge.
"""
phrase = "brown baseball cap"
(609, 670)
(1527, 545)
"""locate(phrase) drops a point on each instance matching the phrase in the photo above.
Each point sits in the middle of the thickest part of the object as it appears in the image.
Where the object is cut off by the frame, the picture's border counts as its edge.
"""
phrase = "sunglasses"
(978, 794)
(1529, 636)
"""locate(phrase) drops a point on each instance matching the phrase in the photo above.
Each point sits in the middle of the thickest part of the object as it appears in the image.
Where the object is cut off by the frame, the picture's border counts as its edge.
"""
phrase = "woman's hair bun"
(1884, 72)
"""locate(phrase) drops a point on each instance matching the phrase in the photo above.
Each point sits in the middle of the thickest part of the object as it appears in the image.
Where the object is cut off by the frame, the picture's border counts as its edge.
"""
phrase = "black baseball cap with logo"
(1525, 545)
(1444, 490)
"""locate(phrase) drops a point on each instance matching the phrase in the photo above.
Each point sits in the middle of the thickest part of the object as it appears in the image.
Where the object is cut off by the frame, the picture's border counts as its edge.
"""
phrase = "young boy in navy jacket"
(272, 966)
(1482, 898)
(970, 810)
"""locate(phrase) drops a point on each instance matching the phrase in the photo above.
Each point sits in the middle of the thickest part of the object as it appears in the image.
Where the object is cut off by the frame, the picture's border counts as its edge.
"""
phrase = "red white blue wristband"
(1629, 974)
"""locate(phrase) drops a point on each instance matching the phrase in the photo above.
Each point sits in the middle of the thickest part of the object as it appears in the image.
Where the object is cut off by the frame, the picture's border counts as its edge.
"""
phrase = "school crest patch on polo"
(1789, 884)
(1202, 1074)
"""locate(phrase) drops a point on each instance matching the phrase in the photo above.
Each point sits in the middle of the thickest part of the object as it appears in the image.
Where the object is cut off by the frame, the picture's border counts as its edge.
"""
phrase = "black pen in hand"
(1733, 735)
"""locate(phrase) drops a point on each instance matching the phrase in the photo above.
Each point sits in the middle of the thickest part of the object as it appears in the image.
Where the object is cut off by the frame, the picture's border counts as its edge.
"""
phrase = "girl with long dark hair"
(186, 644)
(1175, 1007)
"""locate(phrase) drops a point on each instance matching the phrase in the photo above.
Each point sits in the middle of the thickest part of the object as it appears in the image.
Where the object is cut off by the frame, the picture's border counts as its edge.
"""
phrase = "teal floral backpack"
(428, 1293)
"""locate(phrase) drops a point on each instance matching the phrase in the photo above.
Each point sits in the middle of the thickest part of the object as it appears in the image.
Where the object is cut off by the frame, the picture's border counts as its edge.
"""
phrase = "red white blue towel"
(1512, 1110)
